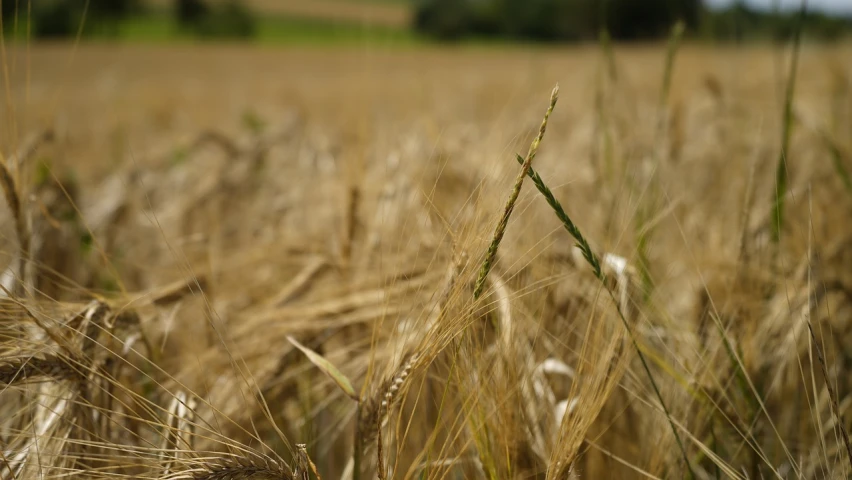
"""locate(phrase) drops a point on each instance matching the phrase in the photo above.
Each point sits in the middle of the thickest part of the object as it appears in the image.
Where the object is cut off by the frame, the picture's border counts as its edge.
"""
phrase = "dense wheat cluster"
(225, 263)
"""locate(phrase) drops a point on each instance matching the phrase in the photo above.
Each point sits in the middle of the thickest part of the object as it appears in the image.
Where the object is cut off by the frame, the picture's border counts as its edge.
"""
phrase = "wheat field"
(227, 262)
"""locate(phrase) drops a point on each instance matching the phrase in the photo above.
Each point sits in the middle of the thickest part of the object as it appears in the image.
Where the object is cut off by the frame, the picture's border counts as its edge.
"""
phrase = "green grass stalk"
(781, 172)
(675, 40)
(609, 55)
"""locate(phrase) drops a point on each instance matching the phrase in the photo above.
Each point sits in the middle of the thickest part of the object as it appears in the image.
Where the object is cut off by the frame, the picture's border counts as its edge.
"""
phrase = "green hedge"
(552, 19)
(230, 20)
(63, 18)
(567, 20)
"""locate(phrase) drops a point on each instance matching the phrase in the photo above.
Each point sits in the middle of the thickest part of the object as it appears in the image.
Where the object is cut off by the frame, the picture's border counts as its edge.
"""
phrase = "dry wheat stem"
(299, 283)
(29, 147)
(22, 230)
(179, 429)
(832, 395)
(351, 224)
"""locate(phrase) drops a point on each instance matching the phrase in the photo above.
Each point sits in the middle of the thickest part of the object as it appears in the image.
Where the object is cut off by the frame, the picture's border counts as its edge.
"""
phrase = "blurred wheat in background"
(297, 260)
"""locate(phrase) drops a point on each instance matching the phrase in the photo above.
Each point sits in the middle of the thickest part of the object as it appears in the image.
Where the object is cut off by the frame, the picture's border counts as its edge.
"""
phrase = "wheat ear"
(500, 230)
(244, 469)
(33, 369)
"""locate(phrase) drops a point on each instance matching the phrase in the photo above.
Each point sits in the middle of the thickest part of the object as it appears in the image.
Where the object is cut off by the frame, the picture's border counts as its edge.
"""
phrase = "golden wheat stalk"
(500, 230)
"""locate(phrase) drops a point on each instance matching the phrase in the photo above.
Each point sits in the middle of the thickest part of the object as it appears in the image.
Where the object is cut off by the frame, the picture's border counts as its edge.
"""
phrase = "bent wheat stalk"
(592, 260)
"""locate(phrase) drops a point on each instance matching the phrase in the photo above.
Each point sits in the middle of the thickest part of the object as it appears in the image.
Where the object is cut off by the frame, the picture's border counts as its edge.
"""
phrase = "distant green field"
(156, 24)
(297, 30)
(159, 27)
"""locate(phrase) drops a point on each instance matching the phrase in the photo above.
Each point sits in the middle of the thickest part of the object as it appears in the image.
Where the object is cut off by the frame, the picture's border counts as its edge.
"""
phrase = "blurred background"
(411, 21)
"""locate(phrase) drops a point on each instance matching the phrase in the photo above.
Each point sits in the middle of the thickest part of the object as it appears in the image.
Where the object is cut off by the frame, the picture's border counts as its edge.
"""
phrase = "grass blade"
(328, 368)
(786, 131)
(674, 44)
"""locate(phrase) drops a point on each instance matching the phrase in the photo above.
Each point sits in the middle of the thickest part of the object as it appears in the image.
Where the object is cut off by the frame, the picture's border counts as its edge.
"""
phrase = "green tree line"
(64, 18)
(626, 20)
(535, 20)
